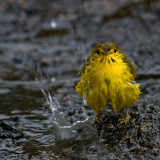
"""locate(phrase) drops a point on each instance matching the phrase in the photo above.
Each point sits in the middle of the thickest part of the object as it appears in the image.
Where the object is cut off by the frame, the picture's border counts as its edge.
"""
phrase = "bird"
(108, 75)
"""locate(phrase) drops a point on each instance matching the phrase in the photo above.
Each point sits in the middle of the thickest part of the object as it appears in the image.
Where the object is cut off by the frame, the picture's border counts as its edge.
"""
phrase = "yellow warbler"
(108, 75)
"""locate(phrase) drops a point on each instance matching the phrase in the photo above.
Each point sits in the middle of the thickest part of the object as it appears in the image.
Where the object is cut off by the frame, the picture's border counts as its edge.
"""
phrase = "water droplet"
(53, 24)
(53, 79)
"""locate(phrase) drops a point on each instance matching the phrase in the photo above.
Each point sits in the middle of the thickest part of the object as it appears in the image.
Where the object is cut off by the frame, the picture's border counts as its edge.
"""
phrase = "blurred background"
(50, 40)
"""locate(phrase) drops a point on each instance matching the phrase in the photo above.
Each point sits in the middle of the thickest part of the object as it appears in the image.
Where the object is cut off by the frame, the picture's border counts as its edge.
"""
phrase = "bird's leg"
(98, 119)
(114, 105)
(126, 118)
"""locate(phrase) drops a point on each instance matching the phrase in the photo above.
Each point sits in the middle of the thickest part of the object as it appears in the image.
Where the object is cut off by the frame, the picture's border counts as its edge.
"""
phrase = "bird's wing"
(82, 70)
(131, 65)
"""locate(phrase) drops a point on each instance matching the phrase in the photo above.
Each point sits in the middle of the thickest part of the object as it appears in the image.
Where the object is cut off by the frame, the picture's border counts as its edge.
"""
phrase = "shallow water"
(42, 47)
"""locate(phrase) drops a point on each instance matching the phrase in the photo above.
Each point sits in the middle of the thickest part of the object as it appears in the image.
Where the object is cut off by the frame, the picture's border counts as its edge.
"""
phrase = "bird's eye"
(115, 50)
(97, 52)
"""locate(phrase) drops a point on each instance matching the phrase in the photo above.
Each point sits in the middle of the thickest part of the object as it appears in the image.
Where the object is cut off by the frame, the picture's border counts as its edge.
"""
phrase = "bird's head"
(105, 48)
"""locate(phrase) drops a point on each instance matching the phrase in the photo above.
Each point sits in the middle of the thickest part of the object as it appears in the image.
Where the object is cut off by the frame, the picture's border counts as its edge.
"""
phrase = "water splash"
(80, 134)
(63, 128)
(152, 7)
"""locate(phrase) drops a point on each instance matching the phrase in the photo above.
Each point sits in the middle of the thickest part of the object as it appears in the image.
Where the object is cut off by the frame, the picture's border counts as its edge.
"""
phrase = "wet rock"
(51, 32)
(7, 130)
(17, 59)
(14, 7)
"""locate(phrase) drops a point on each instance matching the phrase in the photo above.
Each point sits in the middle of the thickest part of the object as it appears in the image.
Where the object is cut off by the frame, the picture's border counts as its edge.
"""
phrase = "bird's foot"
(124, 120)
(98, 120)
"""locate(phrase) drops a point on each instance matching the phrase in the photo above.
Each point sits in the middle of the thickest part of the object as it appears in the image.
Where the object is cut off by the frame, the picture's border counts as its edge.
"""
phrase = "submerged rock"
(8, 130)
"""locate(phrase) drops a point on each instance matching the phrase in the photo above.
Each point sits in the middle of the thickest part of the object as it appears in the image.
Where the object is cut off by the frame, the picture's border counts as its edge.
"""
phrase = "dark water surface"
(43, 44)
